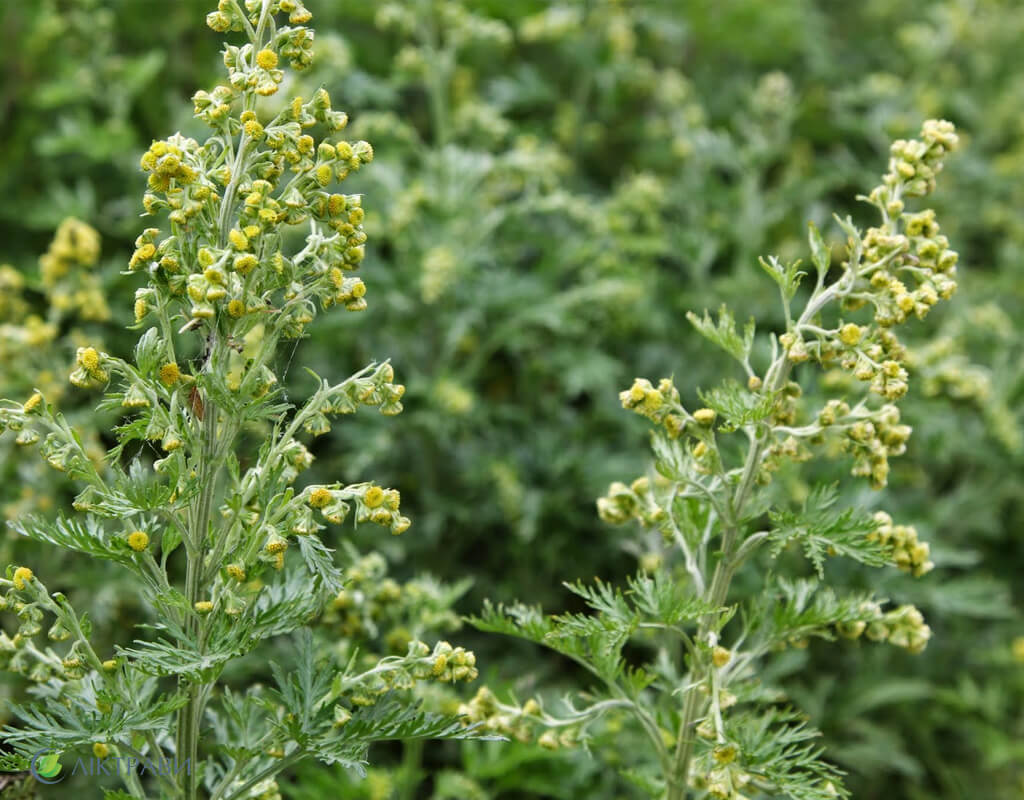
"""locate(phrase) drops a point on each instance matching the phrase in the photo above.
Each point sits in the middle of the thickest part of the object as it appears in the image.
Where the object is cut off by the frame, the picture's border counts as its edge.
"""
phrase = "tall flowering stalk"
(198, 498)
(709, 512)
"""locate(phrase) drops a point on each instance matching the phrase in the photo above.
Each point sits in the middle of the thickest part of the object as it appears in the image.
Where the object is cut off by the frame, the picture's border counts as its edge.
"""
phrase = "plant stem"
(412, 756)
(190, 716)
(731, 555)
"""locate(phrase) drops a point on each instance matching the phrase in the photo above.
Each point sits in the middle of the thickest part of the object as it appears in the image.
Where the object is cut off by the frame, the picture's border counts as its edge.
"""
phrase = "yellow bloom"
(100, 750)
(88, 359)
(245, 264)
(169, 374)
(235, 571)
(203, 606)
(323, 174)
(238, 239)
(138, 541)
(850, 334)
(21, 574)
(266, 59)
(32, 403)
(319, 497)
(373, 497)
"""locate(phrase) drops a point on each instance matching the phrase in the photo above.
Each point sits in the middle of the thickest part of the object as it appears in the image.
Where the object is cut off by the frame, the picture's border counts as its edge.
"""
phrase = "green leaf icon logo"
(48, 765)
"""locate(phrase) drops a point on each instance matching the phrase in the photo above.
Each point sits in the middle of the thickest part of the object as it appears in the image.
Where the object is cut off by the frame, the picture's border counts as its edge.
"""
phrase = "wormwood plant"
(704, 700)
(198, 497)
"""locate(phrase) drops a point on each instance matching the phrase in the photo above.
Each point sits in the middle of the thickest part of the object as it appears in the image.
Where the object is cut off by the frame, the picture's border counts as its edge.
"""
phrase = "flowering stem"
(733, 553)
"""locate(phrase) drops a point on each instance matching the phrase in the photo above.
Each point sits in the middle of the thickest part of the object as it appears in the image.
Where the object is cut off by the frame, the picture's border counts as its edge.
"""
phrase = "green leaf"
(821, 253)
(736, 405)
(787, 276)
(320, 563)
(724, 333)
(72, 534)
(823, 530)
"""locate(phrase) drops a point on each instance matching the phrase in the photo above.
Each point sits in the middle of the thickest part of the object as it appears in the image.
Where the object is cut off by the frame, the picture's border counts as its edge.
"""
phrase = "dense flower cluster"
(226, 283)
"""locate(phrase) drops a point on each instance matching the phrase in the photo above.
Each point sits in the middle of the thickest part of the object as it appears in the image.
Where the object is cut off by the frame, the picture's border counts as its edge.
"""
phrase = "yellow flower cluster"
(908, 553)
(75, 244)
(69, 284)
(903, 627)
(660, 405)
(873, 442)
(637, 501)
(515, 722)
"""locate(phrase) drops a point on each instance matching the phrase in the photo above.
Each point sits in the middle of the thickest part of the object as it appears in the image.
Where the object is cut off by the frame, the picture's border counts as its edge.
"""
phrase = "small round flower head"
(100, 750)
(238, 239)
(373, 497)
(720, 656)
(276, 545)
(235, 571)
(21, 576)
(266, 59)
(320, 497)
(850, 334)
(138, 541)
(169, 374)
(203, 607)
(89, 359)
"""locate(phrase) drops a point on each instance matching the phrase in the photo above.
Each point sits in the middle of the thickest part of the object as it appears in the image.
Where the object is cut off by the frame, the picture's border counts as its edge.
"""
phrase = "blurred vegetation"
(555, 185)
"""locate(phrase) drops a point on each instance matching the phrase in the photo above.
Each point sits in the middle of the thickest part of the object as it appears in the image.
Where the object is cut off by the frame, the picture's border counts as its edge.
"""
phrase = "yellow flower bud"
(704, 416)
(21, 575)
(720, 656)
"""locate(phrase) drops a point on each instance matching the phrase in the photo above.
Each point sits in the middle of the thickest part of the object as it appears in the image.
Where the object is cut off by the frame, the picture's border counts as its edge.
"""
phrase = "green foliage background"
(555, 185)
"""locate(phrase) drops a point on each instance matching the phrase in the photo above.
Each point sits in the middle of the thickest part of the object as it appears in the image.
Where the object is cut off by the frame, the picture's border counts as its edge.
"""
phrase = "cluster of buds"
(623, 503)
(445, 663)
(26, 597)
(902, 267)
(908, 553)
(439, 271)
(373, 504)
(229, 17)
(872, 442)
(661, 406)
(519, 722)
(374, 606)
(75, 245)
(723, 776)
(377, 391)
(903, 626)
(243, 270)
